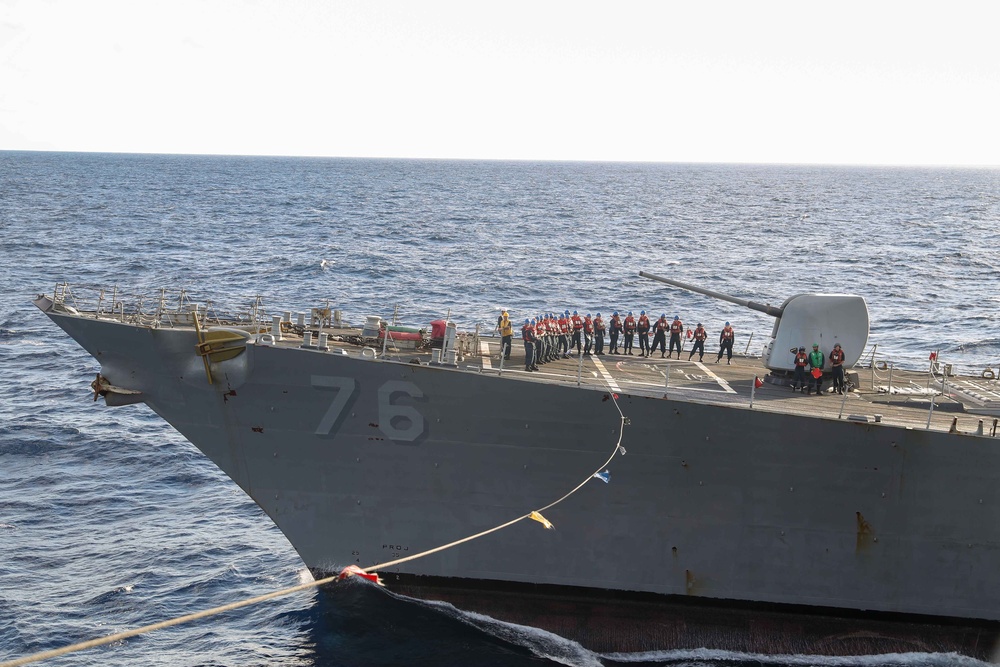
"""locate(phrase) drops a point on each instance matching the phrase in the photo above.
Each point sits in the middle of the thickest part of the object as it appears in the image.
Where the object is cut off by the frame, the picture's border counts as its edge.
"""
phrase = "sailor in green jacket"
(816, 370)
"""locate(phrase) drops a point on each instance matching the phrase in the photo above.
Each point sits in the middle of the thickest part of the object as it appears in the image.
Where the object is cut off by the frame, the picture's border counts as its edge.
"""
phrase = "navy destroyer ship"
(733, 514)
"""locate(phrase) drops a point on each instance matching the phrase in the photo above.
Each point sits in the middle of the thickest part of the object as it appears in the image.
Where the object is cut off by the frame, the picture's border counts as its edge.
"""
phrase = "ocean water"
(110, 520)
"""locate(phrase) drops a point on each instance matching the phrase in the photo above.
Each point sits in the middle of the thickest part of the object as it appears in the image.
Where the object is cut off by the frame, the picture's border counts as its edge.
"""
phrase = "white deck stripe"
(607, 376)
(484, 350)
(722, 383)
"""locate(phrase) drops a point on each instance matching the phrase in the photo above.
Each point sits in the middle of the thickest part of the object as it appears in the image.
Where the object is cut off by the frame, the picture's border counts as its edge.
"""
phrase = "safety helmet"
(532, 321)
(588, 314)
(575, 313)
(802, 348)
(642, 312)
(699, 323)
(836, 344)
(727, 324)
(615, 313)
(630, 312)
(815, 345)
(663, 316)
(598, 314)
(527, 321)
(677, 317)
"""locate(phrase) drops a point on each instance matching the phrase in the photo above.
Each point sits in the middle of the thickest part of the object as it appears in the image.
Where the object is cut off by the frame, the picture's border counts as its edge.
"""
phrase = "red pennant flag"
(757, 382)
(933, 356)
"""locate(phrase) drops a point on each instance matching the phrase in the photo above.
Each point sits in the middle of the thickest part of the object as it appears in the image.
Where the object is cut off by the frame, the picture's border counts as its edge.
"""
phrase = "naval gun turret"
(803, 319)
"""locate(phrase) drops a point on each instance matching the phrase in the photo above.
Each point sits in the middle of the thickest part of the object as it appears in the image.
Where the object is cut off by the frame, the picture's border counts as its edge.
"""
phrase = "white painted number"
(390, 415)
(345, 389)
(398, 422)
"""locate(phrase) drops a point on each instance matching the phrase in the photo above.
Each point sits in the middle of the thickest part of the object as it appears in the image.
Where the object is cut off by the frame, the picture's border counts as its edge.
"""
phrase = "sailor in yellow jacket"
(506, 333)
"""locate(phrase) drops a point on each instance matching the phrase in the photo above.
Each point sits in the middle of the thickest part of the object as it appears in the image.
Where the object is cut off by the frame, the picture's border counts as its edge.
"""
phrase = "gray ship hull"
(359, 461)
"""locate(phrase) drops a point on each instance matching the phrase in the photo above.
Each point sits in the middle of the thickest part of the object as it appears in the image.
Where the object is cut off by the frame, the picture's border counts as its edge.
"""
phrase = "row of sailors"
(549, 337)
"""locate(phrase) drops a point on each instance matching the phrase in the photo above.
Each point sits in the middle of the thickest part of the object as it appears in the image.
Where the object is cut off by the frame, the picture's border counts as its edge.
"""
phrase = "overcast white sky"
(800, 81)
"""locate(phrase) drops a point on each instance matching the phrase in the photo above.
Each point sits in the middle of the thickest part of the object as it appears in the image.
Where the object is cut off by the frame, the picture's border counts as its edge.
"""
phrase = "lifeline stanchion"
(930, 413)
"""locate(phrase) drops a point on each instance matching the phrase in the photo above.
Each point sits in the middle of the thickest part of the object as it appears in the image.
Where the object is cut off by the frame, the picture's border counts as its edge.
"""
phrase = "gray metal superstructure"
(360, 459)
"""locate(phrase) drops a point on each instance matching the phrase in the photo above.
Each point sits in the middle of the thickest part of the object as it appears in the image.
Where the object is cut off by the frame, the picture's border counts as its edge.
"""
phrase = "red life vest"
(528, 333)
(644, 322)
(616, 323)
(700, 333)
(661, 325)
(727, 332)
(629, 324)
(577, 323)
(801, 359)
(588, 325)
(837, 357)
(676, 326)
(598, 325)
(564, 324)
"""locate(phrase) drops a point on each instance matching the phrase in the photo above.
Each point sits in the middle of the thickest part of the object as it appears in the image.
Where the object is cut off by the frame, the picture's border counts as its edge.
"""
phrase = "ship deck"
(894, 396)
(900, 398)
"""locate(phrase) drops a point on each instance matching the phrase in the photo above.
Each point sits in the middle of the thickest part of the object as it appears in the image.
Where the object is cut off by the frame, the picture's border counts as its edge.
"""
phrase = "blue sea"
(110, 520)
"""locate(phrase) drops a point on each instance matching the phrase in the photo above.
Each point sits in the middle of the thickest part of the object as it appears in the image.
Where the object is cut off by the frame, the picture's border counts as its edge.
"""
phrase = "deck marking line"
(607, 376)
(484, 350)
(722, 383)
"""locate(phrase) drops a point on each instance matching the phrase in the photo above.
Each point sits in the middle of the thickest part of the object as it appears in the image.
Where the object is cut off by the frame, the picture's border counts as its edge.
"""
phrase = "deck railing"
(167, 307)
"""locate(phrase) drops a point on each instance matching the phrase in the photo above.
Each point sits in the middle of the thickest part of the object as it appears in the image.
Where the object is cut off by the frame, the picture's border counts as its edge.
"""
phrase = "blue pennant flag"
(603, 476)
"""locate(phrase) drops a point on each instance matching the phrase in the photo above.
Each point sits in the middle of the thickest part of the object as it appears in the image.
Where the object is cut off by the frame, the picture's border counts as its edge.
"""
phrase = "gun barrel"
(753, 305)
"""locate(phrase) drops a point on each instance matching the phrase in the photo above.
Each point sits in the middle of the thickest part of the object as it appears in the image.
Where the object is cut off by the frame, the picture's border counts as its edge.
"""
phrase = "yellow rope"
(110, 639)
